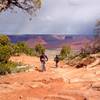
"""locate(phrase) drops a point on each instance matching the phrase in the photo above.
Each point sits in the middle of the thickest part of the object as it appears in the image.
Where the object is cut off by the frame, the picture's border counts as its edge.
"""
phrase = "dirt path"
(63, 83)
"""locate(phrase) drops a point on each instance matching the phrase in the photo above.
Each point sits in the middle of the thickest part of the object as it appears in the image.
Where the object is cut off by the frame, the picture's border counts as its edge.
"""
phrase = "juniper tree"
(30, 6)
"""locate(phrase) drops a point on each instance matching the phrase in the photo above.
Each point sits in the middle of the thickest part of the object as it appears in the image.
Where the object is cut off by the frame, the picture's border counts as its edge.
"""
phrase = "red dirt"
(63, 83)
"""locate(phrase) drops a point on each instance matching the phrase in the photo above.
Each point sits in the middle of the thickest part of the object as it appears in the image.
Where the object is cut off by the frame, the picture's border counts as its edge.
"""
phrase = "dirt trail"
(63, 83)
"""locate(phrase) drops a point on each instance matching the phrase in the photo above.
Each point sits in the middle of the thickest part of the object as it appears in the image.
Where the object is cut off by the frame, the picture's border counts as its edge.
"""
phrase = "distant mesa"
(53, 41)
(59, 37)
(39, 39)
(33, 41)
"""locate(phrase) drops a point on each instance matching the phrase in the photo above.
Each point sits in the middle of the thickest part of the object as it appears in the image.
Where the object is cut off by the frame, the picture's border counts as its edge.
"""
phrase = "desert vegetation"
(65, 52)
(84, 57)
(5, 53)
(21, 47)
(8, 49)
(39, 49)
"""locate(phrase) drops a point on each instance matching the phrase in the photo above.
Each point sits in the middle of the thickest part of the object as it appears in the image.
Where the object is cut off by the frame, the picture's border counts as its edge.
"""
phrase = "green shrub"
(39, 48)
(65, 51)
(7, 68)
(20, 48)
(5, 53)
(4, 39)
(5, 48)
(30, 51)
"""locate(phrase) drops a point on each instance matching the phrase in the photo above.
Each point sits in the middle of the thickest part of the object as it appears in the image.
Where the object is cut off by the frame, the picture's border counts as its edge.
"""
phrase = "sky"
(55, 17)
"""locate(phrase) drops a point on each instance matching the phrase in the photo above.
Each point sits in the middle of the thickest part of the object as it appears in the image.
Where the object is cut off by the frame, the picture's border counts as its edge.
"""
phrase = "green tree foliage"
(5, 49)
(39, 48)
(4, 40)
(7, 68)
(31, 52)
(21, 47)
(65, 51)
(5, 52)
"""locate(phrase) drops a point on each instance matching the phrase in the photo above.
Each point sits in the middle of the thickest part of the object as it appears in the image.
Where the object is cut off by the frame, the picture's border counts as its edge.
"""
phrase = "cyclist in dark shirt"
(57, 59)
(43, 59)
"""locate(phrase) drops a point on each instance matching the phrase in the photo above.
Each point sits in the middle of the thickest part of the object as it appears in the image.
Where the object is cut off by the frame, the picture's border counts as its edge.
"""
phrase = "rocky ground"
(63, 83)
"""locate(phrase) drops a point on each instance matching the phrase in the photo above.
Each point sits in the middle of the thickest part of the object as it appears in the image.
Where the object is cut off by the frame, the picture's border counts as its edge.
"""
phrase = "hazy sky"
(55, 16)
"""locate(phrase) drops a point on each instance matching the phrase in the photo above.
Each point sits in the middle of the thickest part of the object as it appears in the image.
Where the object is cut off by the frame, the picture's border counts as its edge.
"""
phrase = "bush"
(65, 51)
(39, 48)
(5, 49)
(7, 68)
(5, 53)
(4, 39)
(21, 47)
(83, 53)
(30, 51)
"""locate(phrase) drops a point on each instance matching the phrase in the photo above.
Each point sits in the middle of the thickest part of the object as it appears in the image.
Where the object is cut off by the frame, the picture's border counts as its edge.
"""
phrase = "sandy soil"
(63, 83)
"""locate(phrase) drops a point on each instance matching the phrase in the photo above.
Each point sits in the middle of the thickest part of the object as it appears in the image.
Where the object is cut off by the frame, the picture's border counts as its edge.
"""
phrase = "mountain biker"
(43, 59)
(56, 59)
